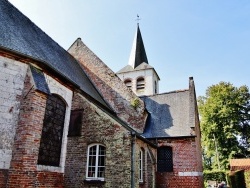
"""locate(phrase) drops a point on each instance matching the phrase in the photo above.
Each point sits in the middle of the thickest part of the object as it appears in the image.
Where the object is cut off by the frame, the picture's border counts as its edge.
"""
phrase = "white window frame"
(141, 166)
(96, 162)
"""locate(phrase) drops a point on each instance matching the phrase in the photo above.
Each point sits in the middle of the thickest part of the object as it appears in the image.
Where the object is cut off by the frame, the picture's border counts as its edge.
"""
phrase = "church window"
(128, 83)
(140, 85)
(96, 162)
(165, 159)
(141, 165)
(52, 132)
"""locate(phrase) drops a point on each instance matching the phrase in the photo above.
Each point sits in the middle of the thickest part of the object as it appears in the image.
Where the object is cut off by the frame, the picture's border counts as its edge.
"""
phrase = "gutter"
(133, 138)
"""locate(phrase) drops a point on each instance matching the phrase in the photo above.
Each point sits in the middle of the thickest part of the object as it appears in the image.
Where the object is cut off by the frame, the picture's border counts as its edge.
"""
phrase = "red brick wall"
(23, 168)
(185, 159)
(3, 177)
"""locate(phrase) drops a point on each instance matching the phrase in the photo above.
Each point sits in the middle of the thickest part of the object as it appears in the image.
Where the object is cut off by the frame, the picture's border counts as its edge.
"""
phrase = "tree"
(225, 124)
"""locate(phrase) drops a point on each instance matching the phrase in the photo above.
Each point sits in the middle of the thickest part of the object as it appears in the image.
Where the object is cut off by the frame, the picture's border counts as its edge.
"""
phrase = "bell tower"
(138, 75)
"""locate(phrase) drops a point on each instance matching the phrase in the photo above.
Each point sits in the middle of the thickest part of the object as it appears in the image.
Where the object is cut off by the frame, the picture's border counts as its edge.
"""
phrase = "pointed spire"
(138, 54)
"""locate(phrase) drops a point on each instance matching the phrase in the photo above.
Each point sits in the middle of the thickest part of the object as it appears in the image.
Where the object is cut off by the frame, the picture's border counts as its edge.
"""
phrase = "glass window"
(96, 162)
(52, 132)
(165, 159)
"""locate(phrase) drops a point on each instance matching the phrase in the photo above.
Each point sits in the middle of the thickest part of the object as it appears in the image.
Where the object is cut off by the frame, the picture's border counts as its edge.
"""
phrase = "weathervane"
(138, 19)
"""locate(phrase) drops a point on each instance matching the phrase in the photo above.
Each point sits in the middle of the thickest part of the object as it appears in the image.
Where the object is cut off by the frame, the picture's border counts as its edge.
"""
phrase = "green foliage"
(237, 179)
(214, 175)
(225, 116)
(247, 178)
(135, 102)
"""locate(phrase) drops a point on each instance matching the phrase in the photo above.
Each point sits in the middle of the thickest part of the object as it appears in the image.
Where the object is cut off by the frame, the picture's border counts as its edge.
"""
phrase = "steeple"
(138, 53)
(138, 75)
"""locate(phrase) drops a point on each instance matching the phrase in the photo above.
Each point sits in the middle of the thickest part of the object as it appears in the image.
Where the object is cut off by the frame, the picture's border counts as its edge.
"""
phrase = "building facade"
(67, 120)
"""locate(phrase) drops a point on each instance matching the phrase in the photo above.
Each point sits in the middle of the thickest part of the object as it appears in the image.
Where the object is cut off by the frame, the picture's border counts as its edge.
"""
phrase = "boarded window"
(52, 133)
(75, 123)
(164, 159)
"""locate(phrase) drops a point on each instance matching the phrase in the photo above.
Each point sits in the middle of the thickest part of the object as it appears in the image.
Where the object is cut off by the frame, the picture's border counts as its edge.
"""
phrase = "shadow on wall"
(159, 119)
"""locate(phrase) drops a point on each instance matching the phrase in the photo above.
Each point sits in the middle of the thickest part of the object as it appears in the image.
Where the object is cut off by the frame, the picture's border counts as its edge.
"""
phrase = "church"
(67, 120)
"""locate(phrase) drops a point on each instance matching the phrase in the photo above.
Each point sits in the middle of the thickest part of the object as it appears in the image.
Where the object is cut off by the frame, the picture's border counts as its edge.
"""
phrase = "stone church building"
(67, 120)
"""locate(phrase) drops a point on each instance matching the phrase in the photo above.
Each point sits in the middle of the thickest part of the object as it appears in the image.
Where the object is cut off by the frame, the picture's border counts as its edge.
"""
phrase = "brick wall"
(98, 127)
(12, 74)
(187, 169)
(23, 171)
(149, 162)
(110, 86)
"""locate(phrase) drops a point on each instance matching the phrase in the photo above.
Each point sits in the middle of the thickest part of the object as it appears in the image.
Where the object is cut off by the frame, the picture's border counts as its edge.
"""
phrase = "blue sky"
(208, 39)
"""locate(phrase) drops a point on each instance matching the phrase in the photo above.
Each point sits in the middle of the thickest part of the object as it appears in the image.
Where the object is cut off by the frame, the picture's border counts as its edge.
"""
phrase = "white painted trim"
(190, 173)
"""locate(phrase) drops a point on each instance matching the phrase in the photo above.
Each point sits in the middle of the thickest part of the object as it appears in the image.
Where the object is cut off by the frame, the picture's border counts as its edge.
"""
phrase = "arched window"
(128, 83)
(140, 84)
(52, 132)
(164, 159)
(141, 162)
(96, 162)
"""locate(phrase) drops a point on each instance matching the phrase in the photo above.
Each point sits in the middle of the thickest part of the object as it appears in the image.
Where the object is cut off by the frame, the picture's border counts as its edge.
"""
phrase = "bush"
(247, 178)
(214, 175)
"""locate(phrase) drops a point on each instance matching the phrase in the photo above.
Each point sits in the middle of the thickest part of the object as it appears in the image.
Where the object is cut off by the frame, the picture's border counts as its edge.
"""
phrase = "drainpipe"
(133, 137)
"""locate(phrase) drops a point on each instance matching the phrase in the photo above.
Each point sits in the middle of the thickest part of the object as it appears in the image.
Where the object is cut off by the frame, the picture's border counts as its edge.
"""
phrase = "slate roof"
(19, 34)
(138, 54)
(169, 115)
(129, 68)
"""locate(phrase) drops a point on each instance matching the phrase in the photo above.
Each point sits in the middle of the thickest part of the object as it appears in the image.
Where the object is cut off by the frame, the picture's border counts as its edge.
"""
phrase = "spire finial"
(138, 19)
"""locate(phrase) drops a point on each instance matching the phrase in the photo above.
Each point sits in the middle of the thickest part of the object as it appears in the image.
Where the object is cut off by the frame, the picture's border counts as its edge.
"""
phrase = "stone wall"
(98, 127)
(12, 74)
(113, 90)
(187, 170)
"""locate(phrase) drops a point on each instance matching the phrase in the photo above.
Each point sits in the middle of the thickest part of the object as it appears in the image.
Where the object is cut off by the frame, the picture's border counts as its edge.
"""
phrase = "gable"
(20, 35)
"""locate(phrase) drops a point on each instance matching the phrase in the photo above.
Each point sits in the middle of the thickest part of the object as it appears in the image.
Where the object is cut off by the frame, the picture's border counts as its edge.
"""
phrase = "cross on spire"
(138, 19)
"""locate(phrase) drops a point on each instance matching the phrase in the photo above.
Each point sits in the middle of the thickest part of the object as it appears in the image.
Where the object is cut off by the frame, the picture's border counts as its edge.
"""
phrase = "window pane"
(92, 160)
(101, 172)
(92, 150)
(91, 172)
(101, 150)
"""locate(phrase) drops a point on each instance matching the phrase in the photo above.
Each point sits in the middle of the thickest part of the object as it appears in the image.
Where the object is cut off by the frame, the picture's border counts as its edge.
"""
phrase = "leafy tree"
(225, 124)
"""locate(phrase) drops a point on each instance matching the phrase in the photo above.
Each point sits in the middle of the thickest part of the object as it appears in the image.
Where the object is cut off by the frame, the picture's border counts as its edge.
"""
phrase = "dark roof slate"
(138, 54)
(21, 35)
(168, 115)
(39, 80)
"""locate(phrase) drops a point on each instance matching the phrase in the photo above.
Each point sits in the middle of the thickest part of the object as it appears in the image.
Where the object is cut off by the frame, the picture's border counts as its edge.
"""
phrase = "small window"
(128, 83)
(96, 162)
(155, 87)
(140, 85)
(165, 159)
(75, 123)
(141, 166)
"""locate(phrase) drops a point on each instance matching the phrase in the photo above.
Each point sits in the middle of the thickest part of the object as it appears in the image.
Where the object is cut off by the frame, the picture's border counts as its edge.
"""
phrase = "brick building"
(67, 120)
